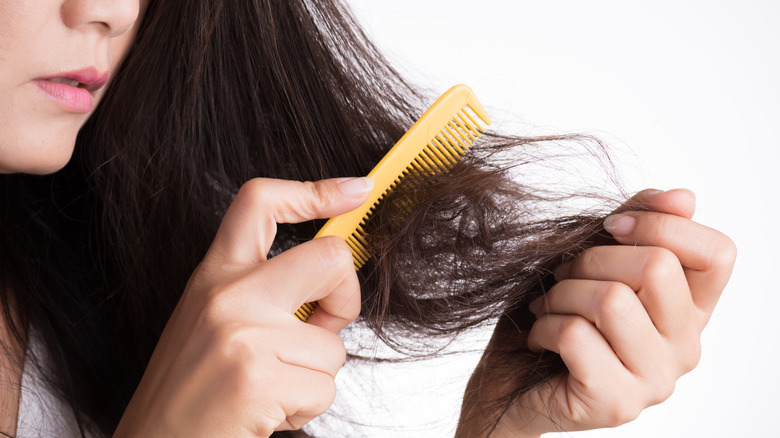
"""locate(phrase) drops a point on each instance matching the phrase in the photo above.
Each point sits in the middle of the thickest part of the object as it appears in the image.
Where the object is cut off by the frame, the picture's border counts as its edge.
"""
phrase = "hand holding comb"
(436, 141)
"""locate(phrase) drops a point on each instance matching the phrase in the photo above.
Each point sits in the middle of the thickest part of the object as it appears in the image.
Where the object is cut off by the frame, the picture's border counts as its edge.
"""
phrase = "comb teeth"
(443, 151)
(305, 311)
(435, 143)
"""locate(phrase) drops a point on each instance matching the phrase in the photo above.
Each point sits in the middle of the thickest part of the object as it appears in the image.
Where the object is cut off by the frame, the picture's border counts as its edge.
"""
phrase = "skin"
(45, 38)
(41, 39)
(234, 361)
(626, 320)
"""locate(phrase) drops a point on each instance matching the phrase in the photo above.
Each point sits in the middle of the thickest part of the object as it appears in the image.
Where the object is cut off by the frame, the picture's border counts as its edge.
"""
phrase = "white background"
(686, 93)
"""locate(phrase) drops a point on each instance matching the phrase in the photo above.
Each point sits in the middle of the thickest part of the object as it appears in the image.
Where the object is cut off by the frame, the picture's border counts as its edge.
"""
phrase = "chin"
(47, 168)
(37, 160)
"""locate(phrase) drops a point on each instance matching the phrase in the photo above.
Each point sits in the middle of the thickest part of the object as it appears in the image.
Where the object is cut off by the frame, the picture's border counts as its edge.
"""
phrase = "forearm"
(480, 417)
(481, 427)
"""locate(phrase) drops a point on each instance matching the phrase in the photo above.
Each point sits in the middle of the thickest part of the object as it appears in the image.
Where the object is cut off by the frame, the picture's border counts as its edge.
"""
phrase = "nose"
(114, 17)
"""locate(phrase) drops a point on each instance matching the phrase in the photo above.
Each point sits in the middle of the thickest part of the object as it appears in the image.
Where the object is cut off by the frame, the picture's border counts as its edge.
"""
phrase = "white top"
(41, 413)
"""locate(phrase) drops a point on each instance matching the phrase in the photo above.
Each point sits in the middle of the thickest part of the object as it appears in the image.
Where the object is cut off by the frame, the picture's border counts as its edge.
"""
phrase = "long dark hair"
(214, 93)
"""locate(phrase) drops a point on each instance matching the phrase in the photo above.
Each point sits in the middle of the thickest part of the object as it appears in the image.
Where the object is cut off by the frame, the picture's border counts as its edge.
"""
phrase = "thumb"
(249, 226)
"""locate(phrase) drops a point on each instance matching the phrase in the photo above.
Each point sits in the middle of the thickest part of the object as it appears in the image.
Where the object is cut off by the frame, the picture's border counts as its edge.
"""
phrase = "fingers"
(233, 338)
(614, 309)
(311, 347)
(588, 356)
(249, 226)
(679, 202)
(304, 395)
(319, 270)
(653, 273)
(627, 319)
(281, 398)
(706, 254)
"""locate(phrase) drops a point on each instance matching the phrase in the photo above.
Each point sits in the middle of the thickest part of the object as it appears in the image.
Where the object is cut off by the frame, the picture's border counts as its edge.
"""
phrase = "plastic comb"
(436, 141)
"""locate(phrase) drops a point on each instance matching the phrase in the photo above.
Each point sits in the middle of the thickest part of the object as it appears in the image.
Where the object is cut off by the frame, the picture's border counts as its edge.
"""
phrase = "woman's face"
(56, 57)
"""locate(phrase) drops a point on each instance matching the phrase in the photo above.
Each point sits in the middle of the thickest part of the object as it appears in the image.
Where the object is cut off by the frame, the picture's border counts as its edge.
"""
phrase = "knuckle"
(334, 253)
(254, 190)
(589, 257)
(724, 254)
(617, 301)
(619, 413)
(351, 309)
(315, 190)
(338, 351)
(661, 264)
(326, 395)
(243, 370)
(267, 423)
(574, 332)
(295, 422)
(315, 197)
(236, 348)
(662, 391)
(255, 196)
(657, 387)
(660, 385)
(691, 356)
(330, 396)
(218, 305)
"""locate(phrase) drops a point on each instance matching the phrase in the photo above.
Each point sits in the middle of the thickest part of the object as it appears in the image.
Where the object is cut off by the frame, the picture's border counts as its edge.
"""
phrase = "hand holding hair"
(626, 320)
(233, 360)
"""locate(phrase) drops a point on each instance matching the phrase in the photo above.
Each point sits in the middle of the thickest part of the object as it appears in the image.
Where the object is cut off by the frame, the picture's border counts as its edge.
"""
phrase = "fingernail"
(355, 187)
(562, 272)
(688, 191)
(619, 224)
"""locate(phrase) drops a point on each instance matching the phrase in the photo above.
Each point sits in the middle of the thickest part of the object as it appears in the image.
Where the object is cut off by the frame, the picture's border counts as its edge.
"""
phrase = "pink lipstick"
(73, 90)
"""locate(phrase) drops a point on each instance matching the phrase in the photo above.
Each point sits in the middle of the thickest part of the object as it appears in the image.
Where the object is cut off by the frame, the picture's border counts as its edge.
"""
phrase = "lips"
(89, 78)
(73, 90)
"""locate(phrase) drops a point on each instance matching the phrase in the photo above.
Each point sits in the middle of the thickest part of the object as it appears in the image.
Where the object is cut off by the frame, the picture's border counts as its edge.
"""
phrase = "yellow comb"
(442, 135)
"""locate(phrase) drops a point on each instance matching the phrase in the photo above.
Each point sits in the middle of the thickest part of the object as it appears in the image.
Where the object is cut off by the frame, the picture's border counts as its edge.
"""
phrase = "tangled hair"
(477, 247)
(95, 257)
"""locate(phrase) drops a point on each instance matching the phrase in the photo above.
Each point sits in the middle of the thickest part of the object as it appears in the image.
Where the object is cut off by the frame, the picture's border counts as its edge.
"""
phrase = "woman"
(159, 315)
